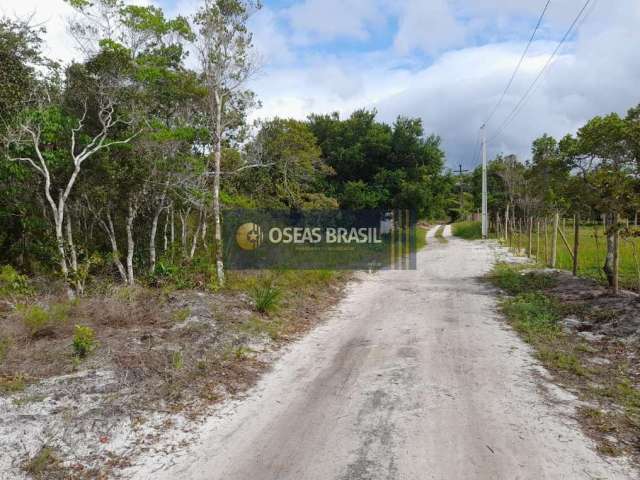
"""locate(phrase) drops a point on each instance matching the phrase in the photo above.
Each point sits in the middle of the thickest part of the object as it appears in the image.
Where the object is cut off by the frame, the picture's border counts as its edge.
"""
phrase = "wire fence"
(570, 244)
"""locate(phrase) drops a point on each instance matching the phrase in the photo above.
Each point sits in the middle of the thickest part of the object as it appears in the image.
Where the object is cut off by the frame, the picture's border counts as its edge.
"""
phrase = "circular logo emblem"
(249, 236)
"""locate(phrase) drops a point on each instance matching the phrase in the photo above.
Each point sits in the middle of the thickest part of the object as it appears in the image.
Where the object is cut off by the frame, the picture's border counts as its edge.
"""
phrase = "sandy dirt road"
(413, 377)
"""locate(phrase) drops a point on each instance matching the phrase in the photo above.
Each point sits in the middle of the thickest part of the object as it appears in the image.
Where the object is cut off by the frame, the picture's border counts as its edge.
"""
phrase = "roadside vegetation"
(589, 179)
(467, 230)
(591, 251)
(586, 339)
(421, 236)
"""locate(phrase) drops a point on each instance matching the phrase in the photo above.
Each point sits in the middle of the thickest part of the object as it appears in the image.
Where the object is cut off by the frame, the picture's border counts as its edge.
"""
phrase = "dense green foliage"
(378, 165)
(107, 165)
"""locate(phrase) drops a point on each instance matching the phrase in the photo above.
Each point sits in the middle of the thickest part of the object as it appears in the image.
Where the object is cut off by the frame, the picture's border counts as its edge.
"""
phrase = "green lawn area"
(591, 252)
(468, 230)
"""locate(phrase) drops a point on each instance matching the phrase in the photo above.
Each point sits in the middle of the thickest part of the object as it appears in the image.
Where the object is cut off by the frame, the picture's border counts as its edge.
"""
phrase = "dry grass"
(168, 350)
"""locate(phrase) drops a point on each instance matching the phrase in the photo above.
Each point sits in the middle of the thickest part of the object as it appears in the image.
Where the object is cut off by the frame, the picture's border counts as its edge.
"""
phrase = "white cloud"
(53, 15)
(428, 26)
(333, 19)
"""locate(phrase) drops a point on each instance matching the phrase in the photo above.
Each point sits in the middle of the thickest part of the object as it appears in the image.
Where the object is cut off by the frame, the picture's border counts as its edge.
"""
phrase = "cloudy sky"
(446, 61)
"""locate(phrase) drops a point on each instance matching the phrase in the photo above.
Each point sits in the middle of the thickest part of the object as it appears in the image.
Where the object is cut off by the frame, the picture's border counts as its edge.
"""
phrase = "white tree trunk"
(173, 227)
(166, 227)
(204, 229)
(184, 218)
(152, 237)
(77, 281)
(111, 233)
(194, 243)
(130, 243)
(217, 221)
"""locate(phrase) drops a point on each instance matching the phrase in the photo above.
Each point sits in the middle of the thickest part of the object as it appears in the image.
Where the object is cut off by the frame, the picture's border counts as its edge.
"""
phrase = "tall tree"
(602, 153)
(225, 53)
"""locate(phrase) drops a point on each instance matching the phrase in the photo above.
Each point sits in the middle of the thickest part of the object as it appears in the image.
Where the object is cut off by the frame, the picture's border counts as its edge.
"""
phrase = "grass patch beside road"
(467, 230)
(421, 237)
(603, 371)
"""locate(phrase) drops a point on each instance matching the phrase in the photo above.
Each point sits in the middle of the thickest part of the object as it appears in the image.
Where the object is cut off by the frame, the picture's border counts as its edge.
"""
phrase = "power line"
(514, 113)
(515, 72)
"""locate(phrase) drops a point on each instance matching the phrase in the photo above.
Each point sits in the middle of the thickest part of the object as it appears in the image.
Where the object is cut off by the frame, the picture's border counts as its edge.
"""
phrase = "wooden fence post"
(554, 244)
(616, 254)
(538, 239)
(546, 241)
(506, 225)
(576, 242)
(530, 237)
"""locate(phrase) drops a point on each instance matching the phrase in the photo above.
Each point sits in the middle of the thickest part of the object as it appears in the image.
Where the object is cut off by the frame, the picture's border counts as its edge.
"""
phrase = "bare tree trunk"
(133, 211)
(111, 233)
(184, 226)
(217, 221)
(154, 230)
(194, 243)
(204, 229)
(152, 240)
(173, 226)
(61, 251)
(166, 227)
(77, 281)
(554, 240)
(530, 247)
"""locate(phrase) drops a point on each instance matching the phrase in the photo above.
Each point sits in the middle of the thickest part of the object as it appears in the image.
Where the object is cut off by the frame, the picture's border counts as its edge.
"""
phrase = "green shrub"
(266, 297)
(468, 230)
(59, 312)
(84, 341)
(35, 319)
(13, 283)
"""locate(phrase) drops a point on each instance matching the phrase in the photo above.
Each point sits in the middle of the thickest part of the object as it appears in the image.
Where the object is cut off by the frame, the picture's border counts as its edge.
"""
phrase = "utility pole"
(485, 218)
(459, 172)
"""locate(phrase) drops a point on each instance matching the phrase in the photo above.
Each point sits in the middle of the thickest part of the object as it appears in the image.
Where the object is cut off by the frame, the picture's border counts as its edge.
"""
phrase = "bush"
(13, 283)
(35, 319)
(266, 297)
(84, 341)
(468, 230)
